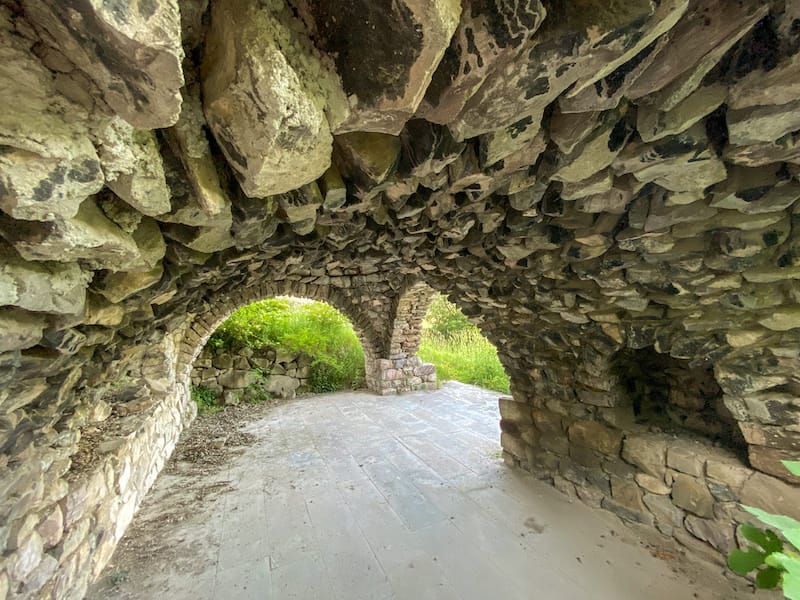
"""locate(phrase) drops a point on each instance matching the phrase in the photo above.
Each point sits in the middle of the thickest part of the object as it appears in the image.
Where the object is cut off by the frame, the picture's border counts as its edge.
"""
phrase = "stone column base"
(404, 374)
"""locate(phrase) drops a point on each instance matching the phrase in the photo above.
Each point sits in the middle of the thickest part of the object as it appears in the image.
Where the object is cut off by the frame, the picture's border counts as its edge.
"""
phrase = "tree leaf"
(766, 539)
(793, 535)
(793, 466)
(768, 578)
(742, 562)
(779, 522)
(791, 585)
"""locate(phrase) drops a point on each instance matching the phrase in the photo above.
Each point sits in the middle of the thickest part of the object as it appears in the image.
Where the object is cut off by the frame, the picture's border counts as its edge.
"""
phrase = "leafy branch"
(776, 563)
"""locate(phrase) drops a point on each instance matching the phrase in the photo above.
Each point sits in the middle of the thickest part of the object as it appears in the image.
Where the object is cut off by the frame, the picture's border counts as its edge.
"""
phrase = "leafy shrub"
(775, 563)
(293, 326)
(256, 392)
(458, 349)
(205, 399)
(445, 319)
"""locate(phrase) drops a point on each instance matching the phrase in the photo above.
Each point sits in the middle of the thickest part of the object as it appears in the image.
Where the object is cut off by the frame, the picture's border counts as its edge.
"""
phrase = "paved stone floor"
(352, 496)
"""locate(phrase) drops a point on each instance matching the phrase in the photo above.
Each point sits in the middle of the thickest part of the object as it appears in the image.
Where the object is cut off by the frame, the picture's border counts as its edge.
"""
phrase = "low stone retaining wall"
(405, 374)
(683, 485)
(233, 374)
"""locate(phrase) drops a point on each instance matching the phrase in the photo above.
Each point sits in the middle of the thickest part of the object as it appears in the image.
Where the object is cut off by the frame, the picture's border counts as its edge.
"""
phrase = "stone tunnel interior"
(609, 193)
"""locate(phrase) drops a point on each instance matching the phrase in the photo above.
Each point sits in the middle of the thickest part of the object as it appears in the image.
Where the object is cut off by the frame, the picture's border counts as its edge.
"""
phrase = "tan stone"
(647, 452)
(686, 457)
(596, 436)
(51, 529)
(138, 75)
(515, 411)
(265, 96)
(692, 494)
(772, 495)
(769, 460)
(652, 484)
(729, 471)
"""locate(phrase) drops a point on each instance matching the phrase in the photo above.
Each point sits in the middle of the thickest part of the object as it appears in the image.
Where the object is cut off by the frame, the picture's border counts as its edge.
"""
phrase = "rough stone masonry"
(608, 189)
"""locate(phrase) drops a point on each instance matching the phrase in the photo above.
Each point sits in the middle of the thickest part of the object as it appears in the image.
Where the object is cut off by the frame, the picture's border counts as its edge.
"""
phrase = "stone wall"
(684, 470)
(579, 182)
(231, 374)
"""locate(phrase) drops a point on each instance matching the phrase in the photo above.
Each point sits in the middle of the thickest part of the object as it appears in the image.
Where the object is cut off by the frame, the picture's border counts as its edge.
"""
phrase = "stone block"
(768, 460)
(514, 446)
(514, 410)
(687, 457)
(585, 456)
(222, 361)
(547, 421)
(728, 470)
(596, 436)
(667, 515)
(692, 494)
(236, 380)
(652, 484)
(625, 513)
(771, 494)
(597, 397)
(51, 529)
(272, 128)
(386, 88)
(555, 442)
(720, 534)
(628, 494)
(282, 386)
(648, 452)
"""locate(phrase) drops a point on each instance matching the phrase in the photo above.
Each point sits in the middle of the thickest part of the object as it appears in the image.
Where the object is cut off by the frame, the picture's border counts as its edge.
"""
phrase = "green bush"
(458, 349)
(205, 399)
(445, 319)
(291, 326)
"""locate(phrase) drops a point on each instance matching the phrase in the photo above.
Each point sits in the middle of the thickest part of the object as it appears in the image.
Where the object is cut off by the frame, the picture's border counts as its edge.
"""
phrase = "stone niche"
(657, 440)
(670, 395)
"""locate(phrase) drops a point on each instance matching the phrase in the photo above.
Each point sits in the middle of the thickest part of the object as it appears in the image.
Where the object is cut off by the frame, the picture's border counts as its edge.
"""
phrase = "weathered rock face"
(604, 188)
(386, 53)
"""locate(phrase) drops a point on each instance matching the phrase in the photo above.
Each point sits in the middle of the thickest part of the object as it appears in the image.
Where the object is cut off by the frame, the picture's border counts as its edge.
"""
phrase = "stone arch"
(222, 306)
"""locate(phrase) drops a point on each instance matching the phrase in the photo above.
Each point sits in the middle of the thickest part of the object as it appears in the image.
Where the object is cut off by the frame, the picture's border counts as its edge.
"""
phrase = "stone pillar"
(403, 371)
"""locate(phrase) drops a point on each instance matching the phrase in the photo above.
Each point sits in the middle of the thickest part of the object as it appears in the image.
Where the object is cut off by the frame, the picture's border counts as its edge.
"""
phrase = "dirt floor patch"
(190, 489)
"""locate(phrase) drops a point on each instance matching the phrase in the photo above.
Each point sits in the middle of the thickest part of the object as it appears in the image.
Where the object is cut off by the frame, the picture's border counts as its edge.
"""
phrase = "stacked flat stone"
(580, 182)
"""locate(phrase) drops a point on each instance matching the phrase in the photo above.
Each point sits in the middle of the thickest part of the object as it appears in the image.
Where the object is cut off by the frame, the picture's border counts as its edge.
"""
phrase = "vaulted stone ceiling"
(579, 177)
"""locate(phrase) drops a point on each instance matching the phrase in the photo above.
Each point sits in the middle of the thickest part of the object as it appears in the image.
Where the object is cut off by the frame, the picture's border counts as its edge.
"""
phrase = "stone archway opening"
(277, 348)
(459, 349)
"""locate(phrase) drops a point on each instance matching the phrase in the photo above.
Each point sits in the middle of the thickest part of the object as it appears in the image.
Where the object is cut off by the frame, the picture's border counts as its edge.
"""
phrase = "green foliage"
(465, 356)
(314, 328)
(256, 392)
(775, 562)
(444, 318)
(458, 349)
(205, 399)
(793, 466)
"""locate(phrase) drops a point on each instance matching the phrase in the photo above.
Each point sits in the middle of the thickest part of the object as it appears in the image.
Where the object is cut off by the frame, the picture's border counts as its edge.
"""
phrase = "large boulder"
(270, 98)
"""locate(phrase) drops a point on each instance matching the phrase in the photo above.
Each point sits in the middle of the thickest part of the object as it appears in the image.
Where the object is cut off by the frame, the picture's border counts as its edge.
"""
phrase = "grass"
(206, 400)
(292, 325)
(459, 350)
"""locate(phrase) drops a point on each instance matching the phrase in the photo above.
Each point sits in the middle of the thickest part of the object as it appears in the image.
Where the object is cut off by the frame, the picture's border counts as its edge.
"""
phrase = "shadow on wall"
(668, 394)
